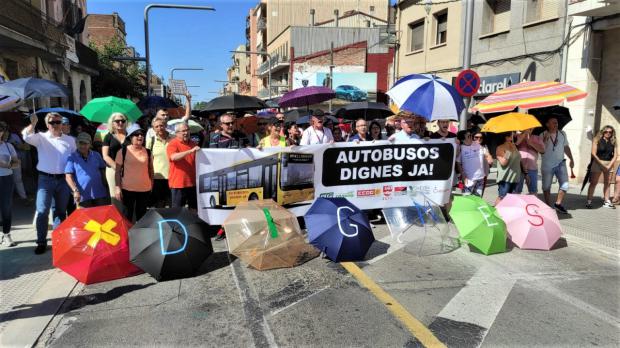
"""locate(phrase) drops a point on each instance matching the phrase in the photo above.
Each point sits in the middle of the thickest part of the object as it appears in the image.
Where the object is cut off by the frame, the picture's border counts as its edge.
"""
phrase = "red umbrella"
(92, 245)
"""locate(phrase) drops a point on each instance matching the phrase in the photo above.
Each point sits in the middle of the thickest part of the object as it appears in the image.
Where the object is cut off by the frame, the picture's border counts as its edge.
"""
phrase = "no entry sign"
(467, 83)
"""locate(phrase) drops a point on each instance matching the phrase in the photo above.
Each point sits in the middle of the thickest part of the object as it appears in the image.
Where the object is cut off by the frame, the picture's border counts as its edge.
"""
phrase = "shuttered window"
(497, 16)
(416, 36)
(541, 9)
(441, 21)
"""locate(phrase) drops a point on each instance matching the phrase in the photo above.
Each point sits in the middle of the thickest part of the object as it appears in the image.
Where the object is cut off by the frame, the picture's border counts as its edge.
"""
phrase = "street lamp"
(146, 34)
(262, 53)
(175, 69)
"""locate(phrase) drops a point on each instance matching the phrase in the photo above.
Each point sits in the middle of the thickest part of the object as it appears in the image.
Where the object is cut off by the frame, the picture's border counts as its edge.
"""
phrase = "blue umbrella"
(156, 102)
(339, 229)
(427, 96)
(62, 111)
(27, 88)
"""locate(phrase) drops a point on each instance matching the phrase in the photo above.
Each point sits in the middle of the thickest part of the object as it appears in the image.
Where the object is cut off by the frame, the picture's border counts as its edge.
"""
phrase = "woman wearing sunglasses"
(604, 159)
(112, 143)
(273, 138)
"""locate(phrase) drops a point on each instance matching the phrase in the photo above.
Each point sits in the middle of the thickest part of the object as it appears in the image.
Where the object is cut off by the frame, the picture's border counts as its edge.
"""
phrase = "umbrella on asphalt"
(561, 113)
(427, 96)
(513, 121)
(92, 245)
(531, 224)
(100, 109)
(529, 95)
(169, 243)
(306, 96)
(339, 229)
(156, 102)
(194, 127)
(265, 236)
(234, 102)
(479, 224)
(365, 110)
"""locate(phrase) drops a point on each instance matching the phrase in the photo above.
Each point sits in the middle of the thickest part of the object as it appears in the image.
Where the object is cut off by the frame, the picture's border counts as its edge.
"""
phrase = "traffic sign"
(467, 83)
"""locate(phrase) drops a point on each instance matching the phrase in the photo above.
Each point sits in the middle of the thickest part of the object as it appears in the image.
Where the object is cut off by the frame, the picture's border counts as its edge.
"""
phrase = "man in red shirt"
(182, 176)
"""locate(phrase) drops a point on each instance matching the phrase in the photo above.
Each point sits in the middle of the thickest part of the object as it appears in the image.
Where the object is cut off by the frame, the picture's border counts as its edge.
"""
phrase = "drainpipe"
(336, 18)
(311, 17)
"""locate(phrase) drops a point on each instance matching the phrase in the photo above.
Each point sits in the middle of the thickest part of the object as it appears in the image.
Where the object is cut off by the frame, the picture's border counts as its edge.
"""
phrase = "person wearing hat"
(85, 175)
(316, 133)
(66, 126)
(54, 148)
(134, 174)
(274, 137)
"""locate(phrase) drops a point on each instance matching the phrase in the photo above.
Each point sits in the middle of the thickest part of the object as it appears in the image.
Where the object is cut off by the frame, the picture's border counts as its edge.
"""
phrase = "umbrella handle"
(273, 231)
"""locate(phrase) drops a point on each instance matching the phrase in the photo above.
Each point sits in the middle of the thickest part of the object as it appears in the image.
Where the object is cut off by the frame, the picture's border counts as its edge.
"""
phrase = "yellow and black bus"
(284, 177)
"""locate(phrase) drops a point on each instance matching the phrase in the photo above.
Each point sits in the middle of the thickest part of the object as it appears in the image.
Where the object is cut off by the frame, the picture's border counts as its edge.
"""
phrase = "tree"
(117, 78)
(199, 105)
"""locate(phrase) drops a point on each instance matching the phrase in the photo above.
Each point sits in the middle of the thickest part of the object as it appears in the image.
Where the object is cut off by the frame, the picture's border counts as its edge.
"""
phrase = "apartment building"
(239, 73)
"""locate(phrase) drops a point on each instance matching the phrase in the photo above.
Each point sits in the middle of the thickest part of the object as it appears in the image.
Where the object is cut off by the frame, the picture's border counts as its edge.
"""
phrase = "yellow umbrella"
(510, 122)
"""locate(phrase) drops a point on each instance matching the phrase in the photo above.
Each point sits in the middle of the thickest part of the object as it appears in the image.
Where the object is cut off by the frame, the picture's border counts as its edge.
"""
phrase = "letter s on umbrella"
(351, 225)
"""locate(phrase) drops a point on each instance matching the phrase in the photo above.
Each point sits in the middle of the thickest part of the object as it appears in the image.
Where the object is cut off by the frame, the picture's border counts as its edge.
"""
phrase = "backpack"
(124, 153)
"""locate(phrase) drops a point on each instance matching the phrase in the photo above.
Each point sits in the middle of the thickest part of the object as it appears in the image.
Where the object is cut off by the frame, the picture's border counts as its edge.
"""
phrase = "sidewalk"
(32, 290)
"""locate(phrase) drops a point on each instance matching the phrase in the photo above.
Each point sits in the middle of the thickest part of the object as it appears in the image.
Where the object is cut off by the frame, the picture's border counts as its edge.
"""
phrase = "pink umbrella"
(531, 224)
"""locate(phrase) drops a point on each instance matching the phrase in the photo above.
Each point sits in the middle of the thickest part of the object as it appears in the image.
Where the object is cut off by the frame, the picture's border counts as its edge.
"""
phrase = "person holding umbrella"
(509, 170)
(604, 159)
(54, 149)
(85, 175)
(316, 133)
(407, 125)
(9, 161)
(554, 164)
(182, 178)
(228, 137)
(134, 188)
(112, 143)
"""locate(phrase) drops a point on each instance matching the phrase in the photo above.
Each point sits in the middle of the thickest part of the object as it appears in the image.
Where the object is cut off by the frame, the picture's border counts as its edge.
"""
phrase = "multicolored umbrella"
(92, 245)
(510, 122)
(100, 109)
(427, 96)
(339, 229)
(479, 224)
(529, 95)
(531, 223)
(306, 96)
(265, 236)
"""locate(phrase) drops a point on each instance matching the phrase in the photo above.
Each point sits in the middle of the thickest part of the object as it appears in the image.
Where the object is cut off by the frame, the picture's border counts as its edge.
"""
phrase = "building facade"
(45, 39)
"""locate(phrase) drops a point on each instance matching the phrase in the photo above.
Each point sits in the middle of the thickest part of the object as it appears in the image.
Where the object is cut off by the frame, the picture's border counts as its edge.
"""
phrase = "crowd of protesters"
(149, 164)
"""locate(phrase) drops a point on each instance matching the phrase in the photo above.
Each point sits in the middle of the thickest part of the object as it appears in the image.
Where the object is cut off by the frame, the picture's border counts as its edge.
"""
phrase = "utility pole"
(331, 71)
(469, 24)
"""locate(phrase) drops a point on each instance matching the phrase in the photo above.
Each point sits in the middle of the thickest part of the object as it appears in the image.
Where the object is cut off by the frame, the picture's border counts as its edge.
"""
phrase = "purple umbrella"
(306, 96)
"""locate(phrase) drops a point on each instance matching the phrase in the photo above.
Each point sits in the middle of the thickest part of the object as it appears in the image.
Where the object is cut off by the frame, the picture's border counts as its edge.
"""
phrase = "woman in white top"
(8, 161)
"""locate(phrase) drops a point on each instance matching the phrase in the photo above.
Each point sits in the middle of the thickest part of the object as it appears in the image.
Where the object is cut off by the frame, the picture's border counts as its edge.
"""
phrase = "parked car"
(350, 93)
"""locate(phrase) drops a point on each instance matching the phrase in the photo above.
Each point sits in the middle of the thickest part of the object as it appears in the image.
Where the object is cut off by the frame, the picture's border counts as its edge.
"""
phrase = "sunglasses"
(478, 137)
(83, 143)
(55, 123)
(607, 132)
(120, 121)
(228, 123)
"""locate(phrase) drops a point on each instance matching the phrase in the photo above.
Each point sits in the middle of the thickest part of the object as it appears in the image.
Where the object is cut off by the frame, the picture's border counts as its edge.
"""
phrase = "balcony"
(26, 19)
(275, 92)
(277, 62)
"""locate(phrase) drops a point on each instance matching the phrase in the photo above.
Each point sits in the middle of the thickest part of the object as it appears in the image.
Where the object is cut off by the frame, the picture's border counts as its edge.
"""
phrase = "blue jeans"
(532, 187)
(504, 188)
(6, 201)
(56, 189)
(560, 172)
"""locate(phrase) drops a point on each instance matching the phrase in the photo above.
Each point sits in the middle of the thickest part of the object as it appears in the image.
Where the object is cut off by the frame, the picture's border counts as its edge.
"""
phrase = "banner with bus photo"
(371, 175)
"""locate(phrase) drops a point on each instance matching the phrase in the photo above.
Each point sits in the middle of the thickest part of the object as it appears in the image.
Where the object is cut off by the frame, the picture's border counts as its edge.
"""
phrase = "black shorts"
(183, 196)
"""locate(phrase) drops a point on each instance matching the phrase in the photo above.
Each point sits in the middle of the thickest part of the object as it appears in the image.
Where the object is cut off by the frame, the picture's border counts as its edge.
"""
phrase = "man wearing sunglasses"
(228, 137)
(54, 148)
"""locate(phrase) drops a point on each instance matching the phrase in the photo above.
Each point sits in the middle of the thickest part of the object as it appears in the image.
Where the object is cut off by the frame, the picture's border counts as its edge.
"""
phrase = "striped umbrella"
(529, 95)
(427, 96)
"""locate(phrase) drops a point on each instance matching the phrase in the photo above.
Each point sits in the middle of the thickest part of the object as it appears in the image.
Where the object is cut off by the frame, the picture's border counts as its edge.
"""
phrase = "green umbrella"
(479, 224)
(100, 109)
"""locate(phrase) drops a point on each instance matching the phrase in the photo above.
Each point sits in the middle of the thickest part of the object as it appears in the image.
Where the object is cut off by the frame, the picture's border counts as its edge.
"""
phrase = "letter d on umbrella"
(178, 226)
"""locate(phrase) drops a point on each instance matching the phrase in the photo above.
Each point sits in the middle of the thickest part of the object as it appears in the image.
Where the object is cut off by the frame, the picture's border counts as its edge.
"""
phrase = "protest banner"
(371, 175)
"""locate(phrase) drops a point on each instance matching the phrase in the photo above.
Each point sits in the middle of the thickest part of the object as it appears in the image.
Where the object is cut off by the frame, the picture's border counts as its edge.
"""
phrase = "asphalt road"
(565, 297)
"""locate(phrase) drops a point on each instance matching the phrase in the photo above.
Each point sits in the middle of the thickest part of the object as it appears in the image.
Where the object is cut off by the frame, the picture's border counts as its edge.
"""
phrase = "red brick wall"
(381, 63)
(102, 28)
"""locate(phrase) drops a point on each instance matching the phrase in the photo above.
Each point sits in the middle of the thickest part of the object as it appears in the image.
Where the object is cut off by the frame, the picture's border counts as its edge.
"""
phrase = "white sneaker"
(609, 205)
(7, 241)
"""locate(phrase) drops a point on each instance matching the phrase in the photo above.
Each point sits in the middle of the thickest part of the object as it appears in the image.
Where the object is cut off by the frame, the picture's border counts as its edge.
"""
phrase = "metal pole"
(331, 71)
(146, 34)
(175, 69)
(469, 24)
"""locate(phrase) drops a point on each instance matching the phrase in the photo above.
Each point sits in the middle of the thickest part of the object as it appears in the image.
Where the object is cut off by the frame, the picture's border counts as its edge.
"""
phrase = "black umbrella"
(169, 243)
(296, 114)
(234, 102)
(560, 113)
(586, 178)
(156, 102)
(365, 110)
(617, 105)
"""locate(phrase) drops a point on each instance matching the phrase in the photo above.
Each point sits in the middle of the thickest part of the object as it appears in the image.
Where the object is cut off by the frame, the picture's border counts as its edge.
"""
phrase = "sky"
(185, 38)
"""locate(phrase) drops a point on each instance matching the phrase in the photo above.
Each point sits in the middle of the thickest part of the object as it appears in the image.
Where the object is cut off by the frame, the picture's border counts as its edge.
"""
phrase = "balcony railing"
(276, 60)
(275, 92)
(26, 19)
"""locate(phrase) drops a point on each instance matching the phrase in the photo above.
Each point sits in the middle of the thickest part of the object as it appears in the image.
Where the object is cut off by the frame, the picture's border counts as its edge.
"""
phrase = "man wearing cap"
(66, 126)
(85, 176)
(54, 148)
(316, 133)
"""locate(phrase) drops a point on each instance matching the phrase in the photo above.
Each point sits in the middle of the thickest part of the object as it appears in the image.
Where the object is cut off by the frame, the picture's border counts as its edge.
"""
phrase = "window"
(416, 36)
(242, 179)
(541, 9)
(497, 16)
(255, 179)
(441, 25)
(231, 179)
